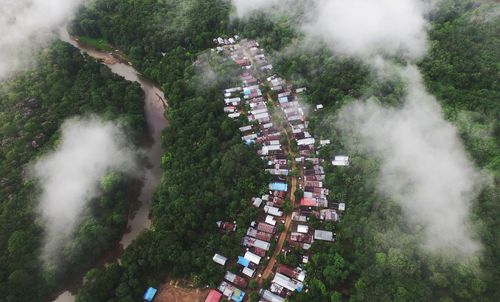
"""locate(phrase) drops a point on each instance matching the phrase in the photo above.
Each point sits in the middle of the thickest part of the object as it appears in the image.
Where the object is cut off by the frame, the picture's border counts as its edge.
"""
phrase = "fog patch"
(25, 26)
(356, 27)
(423, 165)
(69, 176)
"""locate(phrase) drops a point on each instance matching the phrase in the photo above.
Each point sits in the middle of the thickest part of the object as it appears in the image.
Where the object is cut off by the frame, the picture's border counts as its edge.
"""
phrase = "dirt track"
(288, 219)
(171, 292)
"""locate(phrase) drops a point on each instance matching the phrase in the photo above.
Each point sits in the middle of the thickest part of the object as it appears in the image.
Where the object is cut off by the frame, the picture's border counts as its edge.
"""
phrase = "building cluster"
(275, 121)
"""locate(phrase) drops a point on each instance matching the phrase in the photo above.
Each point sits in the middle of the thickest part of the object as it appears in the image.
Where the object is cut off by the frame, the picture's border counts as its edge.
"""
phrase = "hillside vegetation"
(33, 106)
(211, 175)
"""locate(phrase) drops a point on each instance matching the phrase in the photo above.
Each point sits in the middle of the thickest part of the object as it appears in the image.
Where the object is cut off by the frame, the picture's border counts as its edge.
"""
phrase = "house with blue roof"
(243, 261)
(278, 186)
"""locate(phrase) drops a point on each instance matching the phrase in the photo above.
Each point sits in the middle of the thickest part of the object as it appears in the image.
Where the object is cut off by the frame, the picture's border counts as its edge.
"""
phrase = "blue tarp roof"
(278, 186)
(243, 261)
(283, 99)
(150, 294)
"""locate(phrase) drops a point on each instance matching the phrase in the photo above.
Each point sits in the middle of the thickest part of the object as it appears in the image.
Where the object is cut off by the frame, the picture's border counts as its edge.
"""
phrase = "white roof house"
(305, 141)
(341, 160)
(288, 283)
(273, 211)
(271, 297)
(245, 128)
(341, 206)
(266, 149)
(232, 100)
(234, 115)
(261, 116)
(323, 235)
(302, 275)
(270, 220)
(302, 229)
(233, 89)
(249, 137)
(258, 111)
(256, 202)
(248, 272)
(249, 241)
(219, 259)
(252, 257)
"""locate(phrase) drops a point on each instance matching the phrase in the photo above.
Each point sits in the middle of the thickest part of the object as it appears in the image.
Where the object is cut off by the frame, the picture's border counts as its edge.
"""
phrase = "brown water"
(155, 105)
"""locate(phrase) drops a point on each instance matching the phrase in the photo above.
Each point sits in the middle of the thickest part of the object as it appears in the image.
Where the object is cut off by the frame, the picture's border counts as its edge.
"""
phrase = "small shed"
(256, 202)
(219, 259)
(150, 293)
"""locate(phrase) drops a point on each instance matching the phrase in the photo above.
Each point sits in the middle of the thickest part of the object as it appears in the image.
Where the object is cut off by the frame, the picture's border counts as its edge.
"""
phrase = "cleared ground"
(172, 291)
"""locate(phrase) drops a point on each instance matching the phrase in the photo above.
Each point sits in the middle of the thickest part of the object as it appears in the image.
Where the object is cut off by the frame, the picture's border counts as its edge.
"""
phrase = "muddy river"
(155, 105)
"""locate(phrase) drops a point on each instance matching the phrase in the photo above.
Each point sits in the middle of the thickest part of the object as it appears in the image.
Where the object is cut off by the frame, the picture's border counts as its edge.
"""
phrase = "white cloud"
(26, 25)
(69, 176)
(423, 164)
(360, 28)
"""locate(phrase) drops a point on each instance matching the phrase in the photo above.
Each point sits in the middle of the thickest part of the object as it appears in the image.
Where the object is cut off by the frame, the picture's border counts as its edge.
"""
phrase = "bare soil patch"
(175, 291)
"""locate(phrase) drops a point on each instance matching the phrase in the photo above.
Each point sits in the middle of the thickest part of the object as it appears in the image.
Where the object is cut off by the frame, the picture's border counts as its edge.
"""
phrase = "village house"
(231, 292)
(323, 235)
(301, 238)
(296, 273)
(264, 227)
(273, 211)
(219, 259)
(288, 283)
(341, 160)
(270, 297)
(235, 279)
(259, 234)
(253, 242)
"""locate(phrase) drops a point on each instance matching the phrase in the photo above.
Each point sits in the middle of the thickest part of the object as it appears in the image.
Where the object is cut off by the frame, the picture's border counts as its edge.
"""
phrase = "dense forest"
(211, 175)
(33, 106)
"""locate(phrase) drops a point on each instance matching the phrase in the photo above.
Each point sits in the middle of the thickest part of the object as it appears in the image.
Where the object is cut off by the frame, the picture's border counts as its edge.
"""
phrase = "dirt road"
(288, 220)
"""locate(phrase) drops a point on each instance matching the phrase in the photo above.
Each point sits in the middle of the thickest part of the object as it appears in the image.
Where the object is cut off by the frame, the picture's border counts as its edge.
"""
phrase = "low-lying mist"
(423, 165)
(69, 176)
(26, 25)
